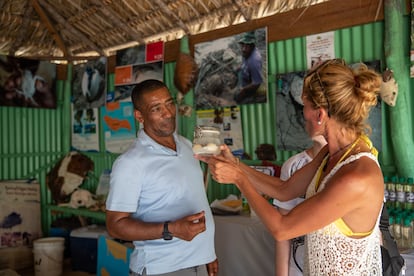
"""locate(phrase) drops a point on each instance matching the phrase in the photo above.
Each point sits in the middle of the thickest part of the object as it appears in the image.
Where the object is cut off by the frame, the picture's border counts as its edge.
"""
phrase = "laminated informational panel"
(20, 221)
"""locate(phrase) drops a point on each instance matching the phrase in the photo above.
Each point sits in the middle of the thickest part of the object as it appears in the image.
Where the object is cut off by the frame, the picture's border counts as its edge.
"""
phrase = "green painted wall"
(33, 140)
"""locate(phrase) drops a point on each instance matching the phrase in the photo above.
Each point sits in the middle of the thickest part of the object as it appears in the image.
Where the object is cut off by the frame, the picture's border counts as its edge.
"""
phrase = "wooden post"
(401, 124)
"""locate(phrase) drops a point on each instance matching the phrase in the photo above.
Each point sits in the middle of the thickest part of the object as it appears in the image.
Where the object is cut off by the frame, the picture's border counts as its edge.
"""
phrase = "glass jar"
(206, 140)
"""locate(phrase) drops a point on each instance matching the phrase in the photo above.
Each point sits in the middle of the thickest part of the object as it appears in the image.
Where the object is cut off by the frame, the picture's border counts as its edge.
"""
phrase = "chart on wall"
(27, 83)
(232, 70)
(228, 121)
(134, 65)
(118, 126)
(290, 124)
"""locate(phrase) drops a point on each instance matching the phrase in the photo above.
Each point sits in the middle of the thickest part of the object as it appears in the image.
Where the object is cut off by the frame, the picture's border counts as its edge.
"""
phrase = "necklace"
(350, 145)
(324, 162)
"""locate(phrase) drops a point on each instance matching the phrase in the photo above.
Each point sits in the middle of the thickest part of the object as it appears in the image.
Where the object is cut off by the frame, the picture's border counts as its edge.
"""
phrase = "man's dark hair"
(144, 87)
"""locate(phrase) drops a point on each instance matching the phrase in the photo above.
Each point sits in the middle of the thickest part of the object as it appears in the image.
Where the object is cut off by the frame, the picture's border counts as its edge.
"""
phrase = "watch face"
(167, 236)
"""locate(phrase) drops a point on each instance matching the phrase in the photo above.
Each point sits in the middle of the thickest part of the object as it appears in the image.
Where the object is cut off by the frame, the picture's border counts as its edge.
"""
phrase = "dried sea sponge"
(185, 74)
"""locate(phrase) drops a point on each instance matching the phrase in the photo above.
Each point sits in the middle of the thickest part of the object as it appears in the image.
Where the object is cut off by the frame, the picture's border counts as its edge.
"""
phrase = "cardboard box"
(84, 247)
(20, 219)
(113, 257)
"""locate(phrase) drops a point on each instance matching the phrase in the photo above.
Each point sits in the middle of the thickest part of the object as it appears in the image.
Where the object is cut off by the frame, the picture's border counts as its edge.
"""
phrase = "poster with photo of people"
(232, 70)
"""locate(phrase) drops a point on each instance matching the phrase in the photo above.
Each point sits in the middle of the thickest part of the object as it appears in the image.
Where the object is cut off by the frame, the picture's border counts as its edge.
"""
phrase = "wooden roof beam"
(167, 10)
(117, 21)
(45, 19)
(70, 28)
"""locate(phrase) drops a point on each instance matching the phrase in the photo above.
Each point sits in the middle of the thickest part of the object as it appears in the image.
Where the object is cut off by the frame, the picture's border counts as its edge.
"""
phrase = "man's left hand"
(212, 268)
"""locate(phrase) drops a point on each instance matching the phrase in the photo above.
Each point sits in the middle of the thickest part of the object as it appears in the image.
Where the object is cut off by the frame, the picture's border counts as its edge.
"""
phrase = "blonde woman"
(343, 184)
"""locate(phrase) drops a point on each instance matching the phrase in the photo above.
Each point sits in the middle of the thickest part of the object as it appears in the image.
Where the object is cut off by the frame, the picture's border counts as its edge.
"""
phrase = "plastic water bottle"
(399, 188)
(409, 194)
(103, 186)
(392, 196)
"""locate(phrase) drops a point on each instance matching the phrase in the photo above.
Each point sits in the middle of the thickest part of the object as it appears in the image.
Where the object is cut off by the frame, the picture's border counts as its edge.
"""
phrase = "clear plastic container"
(206, 140)
(103, 185)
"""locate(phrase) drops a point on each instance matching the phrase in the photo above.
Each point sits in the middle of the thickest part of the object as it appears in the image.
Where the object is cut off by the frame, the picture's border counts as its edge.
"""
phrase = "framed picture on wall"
(232, 70)
(89, 84)
(27, 83)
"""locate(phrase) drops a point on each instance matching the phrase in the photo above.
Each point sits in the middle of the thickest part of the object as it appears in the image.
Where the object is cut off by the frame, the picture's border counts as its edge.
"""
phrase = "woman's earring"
(319, 122)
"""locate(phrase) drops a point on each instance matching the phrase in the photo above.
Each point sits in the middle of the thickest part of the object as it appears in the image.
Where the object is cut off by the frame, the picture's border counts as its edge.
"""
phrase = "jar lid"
(207, 129)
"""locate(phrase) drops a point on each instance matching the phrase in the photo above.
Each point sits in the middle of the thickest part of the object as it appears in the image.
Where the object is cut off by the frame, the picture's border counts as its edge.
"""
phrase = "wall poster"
(85, 129)
(89, 84)
(27, 83)
(134, 65)
(232, 70)
(88, 94)
(320, 47)
(290, 124)
(118, 126)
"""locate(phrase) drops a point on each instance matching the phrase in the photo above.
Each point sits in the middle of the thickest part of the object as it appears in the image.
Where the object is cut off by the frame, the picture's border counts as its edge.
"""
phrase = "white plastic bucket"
(48, 256)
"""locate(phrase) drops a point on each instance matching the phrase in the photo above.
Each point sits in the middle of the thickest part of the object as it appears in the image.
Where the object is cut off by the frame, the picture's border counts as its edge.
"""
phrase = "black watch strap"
(166, 234)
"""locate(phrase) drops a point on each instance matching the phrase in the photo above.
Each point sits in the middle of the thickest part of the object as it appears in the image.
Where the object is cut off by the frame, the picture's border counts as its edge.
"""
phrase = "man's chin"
(168, 130)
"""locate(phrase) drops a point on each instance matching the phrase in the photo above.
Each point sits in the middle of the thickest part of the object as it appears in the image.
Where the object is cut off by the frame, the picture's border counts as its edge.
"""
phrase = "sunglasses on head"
(315, 72)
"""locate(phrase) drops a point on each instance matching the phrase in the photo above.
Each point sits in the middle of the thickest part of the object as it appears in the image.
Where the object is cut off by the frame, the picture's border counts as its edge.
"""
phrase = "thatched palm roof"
(68, 29)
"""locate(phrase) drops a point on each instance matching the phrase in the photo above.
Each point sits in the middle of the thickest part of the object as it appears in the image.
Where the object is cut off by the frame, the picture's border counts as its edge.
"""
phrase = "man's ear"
(138, 116)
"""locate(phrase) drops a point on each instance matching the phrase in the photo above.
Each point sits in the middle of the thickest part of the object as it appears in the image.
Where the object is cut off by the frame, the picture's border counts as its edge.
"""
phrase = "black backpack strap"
(388, 239)
(393, 261)
(385, 219)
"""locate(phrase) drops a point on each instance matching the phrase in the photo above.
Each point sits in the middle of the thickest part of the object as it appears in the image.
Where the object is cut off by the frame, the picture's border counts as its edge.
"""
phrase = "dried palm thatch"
(71, 29)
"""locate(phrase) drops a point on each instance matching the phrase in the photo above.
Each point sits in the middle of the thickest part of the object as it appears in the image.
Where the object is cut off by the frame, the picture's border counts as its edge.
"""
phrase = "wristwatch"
(166, 234)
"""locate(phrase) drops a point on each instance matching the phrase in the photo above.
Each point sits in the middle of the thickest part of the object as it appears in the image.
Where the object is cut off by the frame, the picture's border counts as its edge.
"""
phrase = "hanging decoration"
(186, 72)
(389, 88)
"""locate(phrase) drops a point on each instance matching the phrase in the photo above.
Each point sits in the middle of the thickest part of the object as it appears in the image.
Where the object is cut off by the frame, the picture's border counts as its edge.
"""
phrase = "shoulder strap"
(388, 239)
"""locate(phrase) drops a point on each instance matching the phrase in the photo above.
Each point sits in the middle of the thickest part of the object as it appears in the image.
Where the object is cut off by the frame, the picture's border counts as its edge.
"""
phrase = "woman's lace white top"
(329, 252)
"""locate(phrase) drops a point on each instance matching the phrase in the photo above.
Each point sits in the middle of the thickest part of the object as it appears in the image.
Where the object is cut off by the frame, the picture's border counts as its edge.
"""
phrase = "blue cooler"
(84, 247)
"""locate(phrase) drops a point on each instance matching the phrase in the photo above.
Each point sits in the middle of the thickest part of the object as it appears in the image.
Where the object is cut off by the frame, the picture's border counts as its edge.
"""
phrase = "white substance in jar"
(211, 147)
(206, 140)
